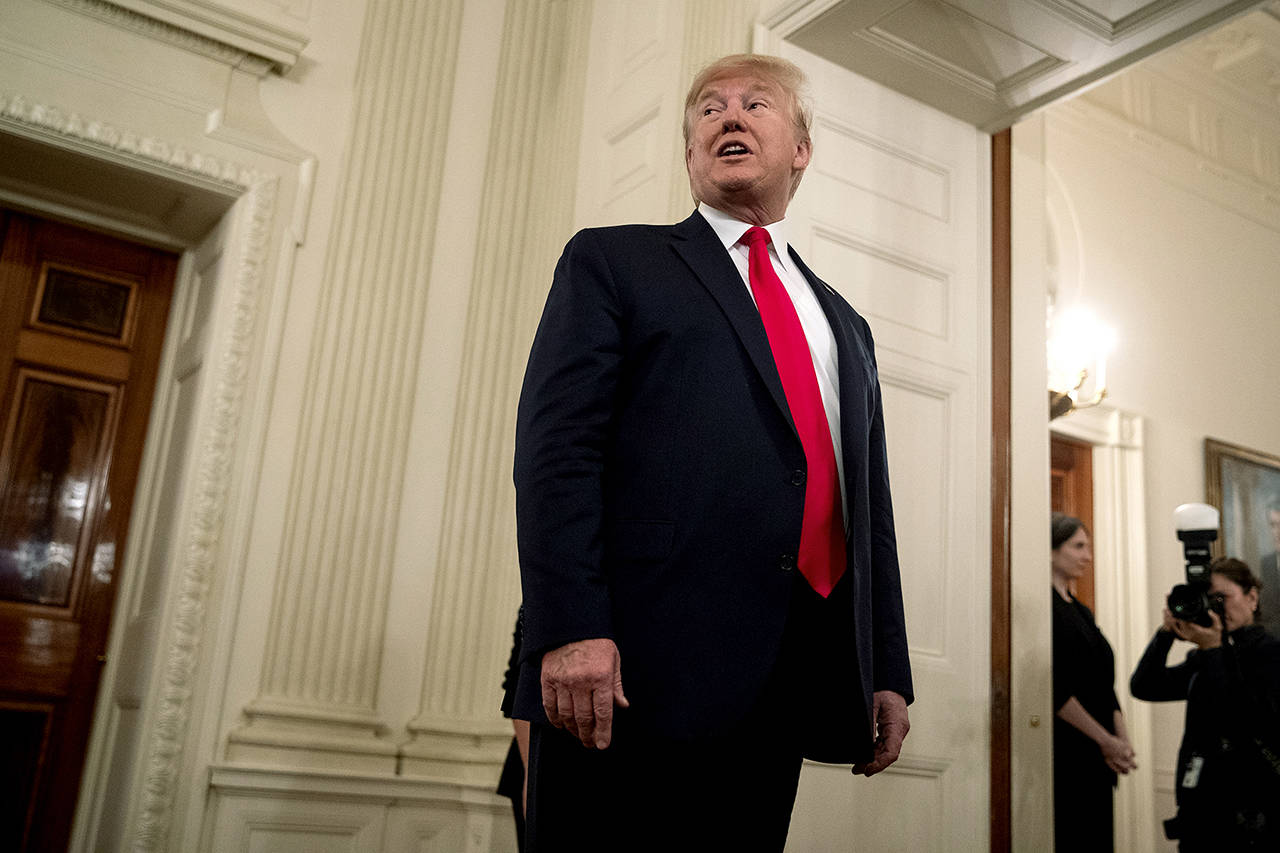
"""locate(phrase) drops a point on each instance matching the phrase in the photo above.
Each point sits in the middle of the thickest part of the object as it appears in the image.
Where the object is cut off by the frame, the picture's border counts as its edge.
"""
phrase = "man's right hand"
(581, 682)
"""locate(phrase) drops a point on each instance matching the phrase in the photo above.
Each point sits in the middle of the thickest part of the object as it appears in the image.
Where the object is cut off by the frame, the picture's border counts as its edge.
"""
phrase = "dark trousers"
(734, 792)
(643, 794)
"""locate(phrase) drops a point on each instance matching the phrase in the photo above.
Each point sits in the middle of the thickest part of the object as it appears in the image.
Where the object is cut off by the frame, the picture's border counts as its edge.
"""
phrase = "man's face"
(743, 150)
(1273, 519)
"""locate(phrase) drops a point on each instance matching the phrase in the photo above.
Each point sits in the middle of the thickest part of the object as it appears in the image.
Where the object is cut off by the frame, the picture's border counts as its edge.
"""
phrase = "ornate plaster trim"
(1147, 147)
(212, 474)
(53, 125)
(228, 371)
(1112, 30)
(250, 48)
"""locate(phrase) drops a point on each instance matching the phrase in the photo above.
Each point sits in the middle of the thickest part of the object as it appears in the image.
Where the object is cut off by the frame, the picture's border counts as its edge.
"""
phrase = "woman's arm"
(1122, 732)
(1115, 750)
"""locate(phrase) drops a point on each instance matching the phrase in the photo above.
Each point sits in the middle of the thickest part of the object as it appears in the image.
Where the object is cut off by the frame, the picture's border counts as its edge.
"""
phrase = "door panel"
(60, 430)
(889, 215)
(81, 325)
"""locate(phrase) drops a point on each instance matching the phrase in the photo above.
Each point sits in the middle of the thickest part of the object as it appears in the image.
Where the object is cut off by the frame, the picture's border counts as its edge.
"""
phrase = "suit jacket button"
(797, 477)
(787, 562)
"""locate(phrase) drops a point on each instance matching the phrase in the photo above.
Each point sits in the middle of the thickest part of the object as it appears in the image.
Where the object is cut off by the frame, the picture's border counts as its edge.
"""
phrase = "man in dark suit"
(707, 549)
(1269, 574)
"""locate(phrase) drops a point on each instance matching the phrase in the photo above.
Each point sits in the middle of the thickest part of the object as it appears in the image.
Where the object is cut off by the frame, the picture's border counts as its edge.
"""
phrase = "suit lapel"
(854, 364)
(697, 244)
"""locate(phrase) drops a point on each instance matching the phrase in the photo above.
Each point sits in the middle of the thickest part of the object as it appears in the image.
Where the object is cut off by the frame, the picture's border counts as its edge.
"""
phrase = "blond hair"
(783, 73)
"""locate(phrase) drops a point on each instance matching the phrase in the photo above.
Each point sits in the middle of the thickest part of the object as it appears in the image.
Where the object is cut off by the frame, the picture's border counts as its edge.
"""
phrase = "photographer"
(1228, 773)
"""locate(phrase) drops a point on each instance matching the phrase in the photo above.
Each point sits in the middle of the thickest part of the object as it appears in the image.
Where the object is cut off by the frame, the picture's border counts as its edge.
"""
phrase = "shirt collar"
(730, 230)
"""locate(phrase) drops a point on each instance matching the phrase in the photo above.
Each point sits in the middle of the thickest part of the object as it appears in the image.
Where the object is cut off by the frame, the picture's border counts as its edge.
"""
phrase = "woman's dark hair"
(1062, 527)
(1237, 571)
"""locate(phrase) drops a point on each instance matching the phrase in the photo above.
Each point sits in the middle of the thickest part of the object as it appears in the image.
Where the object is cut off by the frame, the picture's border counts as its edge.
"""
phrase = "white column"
(527, 209)
(712, 29)
(317, 700)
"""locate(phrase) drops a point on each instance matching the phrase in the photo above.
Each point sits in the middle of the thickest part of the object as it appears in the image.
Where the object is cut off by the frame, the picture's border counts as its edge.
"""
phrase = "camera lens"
(1184, 601)
(1190, 603)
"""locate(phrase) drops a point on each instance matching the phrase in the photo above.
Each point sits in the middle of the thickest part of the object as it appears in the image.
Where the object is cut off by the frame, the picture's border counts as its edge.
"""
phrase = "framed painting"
(1244, 485)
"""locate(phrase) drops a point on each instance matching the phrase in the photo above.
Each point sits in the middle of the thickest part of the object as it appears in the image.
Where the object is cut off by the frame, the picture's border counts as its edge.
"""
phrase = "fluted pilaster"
(712, 28)
(317, 698)
(527, 208)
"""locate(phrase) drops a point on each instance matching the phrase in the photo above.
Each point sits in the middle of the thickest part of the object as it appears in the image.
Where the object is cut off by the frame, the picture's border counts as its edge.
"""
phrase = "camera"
(1197, 526)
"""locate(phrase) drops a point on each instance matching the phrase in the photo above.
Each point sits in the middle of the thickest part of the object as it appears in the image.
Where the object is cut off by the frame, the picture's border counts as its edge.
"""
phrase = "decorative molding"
(54, 126)
(1147, 148)
(1237, 64)
(921, 55)
(412, 814)
(231, 39)
(896, 191)
(48, 124)
(786, 19)
(211, 478)
(351, 786)
(1102, 426)
(943, 388)
(907, 765)
(318, 690)
(988, 64)
(1111, 31)
(640, 167)
(533, 147)
(919, 765)
(935, 324)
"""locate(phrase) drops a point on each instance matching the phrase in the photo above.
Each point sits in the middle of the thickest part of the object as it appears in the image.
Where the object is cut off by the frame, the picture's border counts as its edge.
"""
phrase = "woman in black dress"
(1090, 742)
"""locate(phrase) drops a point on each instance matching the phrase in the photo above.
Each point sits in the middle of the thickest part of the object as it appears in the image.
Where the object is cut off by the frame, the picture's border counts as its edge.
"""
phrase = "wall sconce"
(1078, 348)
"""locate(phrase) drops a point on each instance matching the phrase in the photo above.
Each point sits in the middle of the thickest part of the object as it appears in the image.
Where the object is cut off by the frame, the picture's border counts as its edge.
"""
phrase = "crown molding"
(201, 26)
(53, 125)
(1145, 146)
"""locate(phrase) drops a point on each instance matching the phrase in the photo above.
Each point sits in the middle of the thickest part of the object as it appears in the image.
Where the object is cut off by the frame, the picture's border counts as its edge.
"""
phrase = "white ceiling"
(990, 62)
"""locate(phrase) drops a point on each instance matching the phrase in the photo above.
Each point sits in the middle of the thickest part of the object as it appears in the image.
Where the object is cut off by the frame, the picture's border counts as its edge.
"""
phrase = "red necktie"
(822, 552)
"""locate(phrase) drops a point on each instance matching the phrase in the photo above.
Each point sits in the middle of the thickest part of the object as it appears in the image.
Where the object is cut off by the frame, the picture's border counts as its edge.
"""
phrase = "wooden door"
(1071, 491)
(82, 320)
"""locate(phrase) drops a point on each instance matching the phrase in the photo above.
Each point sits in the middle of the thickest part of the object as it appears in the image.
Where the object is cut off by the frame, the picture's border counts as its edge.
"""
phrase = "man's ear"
(804, 151)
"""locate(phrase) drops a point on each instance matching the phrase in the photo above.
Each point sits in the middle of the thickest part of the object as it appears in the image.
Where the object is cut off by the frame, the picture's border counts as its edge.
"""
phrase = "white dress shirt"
(817, 331)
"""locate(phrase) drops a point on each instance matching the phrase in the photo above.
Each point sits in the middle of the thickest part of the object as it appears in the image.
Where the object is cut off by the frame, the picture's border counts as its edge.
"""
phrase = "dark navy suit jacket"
(659, 489)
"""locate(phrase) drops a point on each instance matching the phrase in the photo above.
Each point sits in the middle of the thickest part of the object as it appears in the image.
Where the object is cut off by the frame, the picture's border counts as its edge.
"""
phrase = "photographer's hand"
(1204, 637)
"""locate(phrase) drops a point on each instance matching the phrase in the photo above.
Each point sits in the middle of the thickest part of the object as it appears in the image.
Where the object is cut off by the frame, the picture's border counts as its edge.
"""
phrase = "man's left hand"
(891, 727)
